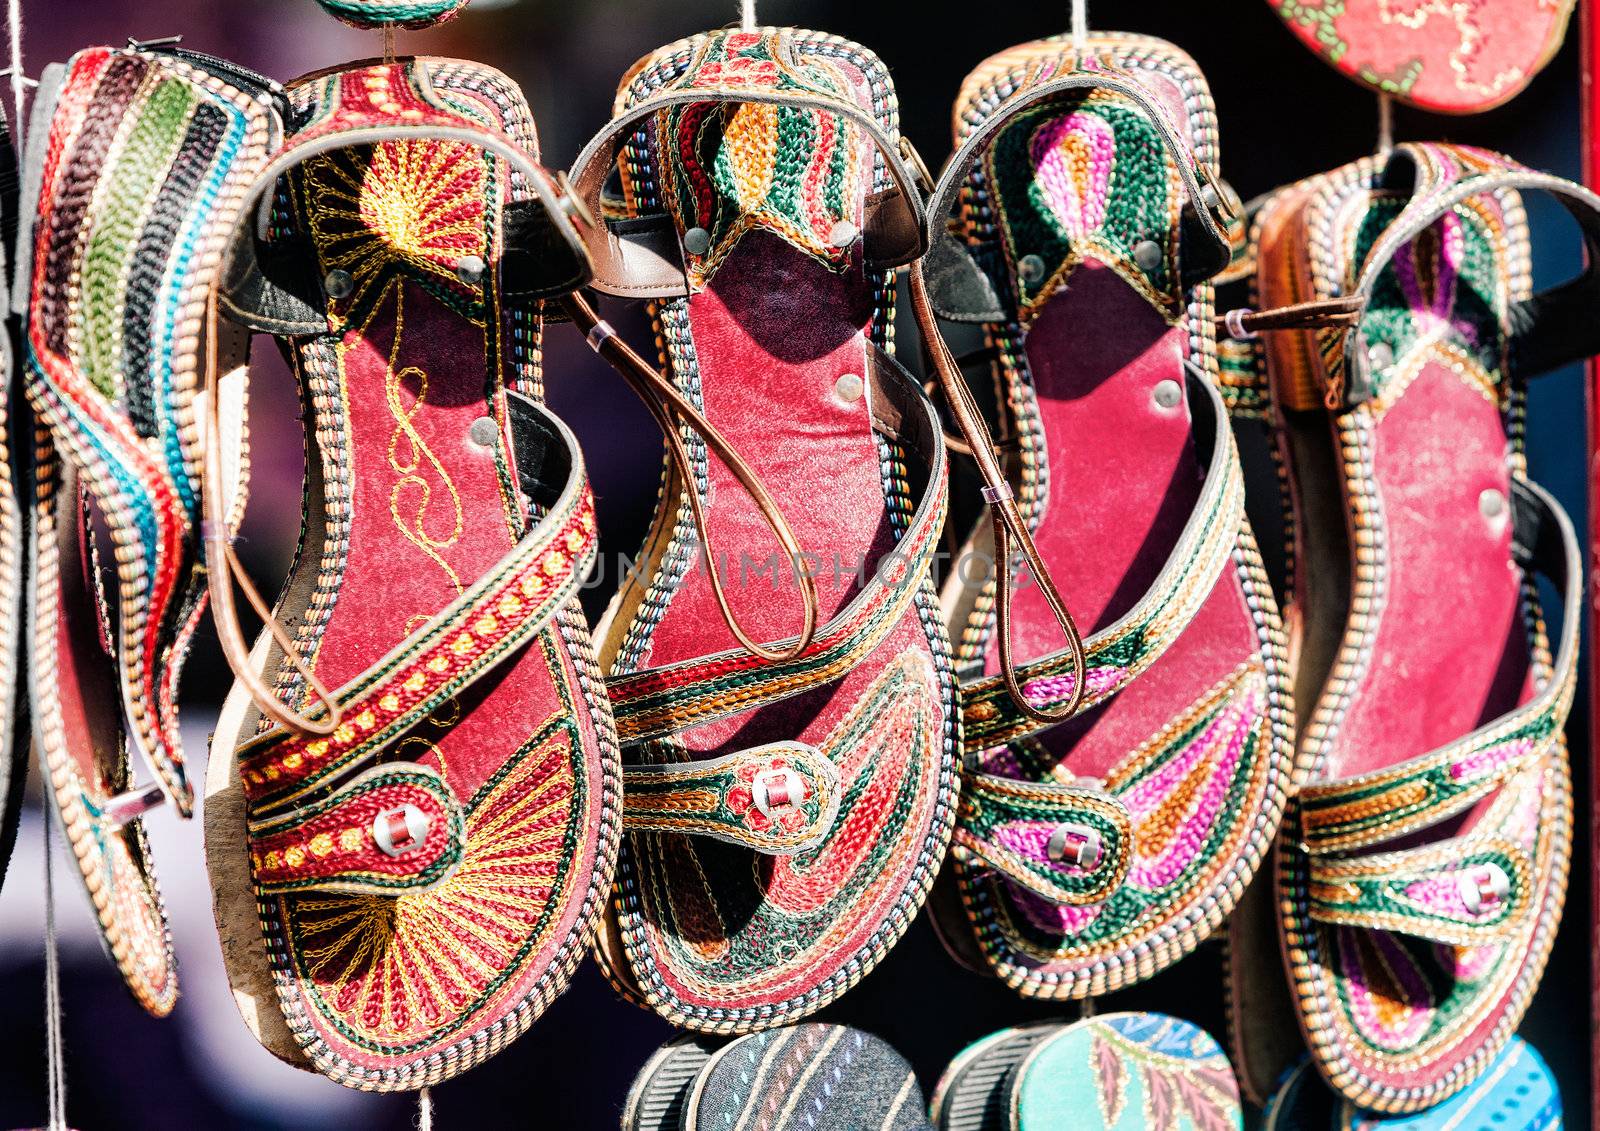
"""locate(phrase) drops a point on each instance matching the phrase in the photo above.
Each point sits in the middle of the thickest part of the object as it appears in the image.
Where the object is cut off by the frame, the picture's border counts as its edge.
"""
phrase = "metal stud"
(1031, 268)
(1075, 844)
(1381, 355)
(484, 432)
(400, 830)
(1483, 888)
(1168, 394)
(339, 284)
(849, 387)
(697, 241)
(1148, 255)
(470, 269)
(844, 234)
(1491, 503)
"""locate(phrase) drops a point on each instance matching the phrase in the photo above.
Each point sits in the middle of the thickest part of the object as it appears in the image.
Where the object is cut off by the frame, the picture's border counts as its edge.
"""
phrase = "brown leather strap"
(672, 409)
(1343, 312)
(224, 571)
(1011, 531)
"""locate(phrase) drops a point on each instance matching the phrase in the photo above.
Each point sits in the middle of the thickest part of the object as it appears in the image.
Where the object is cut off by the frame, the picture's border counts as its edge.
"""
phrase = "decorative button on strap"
(778, 799)
(1068, 844)
(392, 830)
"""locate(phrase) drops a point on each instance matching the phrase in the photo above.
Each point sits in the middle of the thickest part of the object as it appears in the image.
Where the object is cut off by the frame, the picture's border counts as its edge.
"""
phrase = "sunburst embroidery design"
(412, 209)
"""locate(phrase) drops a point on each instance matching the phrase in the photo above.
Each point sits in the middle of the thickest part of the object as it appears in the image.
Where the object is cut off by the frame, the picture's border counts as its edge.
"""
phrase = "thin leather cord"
(55, 1056)
(1009, 525)
(224, 571)
(747, 15)
(671, 408)
(1318, 314)
(425, 1110)
(1385, 124)
(1080, 25)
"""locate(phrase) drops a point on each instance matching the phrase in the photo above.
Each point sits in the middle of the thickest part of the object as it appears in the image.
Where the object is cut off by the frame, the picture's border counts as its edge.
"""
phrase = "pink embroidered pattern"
(1072, 158)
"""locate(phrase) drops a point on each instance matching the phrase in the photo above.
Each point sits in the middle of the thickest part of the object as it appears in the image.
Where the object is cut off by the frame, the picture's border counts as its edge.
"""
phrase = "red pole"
(1589, 28)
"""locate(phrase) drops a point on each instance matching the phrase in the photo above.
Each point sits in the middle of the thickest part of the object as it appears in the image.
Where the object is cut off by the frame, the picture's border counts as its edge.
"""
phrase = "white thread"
(747, 14)
(1080, 26)
(19, 81)
(55, 1060)
(1385, 124)
(425, 1110)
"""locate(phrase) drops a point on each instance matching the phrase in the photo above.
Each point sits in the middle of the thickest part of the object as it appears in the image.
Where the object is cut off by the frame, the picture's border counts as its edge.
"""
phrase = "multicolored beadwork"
(144, 175)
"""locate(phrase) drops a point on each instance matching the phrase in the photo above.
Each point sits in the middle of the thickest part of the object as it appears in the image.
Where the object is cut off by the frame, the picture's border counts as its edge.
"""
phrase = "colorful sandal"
(802, 790)
(806, 1077)
(1119, 792)
(1114, 1072)
(137, 167)
(1423, 867)
(16, 442)
(1517, 1092)
(412, 863)
(1448, 58)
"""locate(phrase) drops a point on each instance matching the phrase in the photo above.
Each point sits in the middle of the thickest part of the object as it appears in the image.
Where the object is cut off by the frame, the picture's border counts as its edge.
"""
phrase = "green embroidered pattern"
(1086, 176)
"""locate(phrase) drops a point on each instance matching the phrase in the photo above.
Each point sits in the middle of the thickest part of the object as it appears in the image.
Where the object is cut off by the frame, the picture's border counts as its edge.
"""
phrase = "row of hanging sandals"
(431, 787)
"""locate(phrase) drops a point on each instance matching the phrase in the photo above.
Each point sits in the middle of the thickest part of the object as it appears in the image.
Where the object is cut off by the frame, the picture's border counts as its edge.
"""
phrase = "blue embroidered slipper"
(1116, 1072)
(1517, 1092)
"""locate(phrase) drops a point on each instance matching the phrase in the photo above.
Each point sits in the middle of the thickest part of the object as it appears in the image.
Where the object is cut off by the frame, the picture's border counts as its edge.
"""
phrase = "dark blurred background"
(1284, 115)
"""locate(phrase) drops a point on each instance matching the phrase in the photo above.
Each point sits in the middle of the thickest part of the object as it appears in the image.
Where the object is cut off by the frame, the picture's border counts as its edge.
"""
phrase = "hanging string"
(1385, 124)
(55, 1059)
(425, 1110)
(19, 81)
(1080, 25)
(747, 15)
(388, 43)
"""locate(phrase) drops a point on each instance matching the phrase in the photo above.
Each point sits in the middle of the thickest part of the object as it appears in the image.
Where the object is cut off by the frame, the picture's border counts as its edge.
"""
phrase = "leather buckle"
(573, 204)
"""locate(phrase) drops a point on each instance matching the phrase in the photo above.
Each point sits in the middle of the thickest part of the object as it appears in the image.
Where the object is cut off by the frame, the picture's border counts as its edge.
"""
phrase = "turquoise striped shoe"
(1116, 1072)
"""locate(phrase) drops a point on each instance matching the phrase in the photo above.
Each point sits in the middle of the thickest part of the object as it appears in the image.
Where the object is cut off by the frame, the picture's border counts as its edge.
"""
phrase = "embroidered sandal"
(1423, 866)
(790, 793)
(408, 867)
(1119, 791)
(1116, 1072)
(136, 169)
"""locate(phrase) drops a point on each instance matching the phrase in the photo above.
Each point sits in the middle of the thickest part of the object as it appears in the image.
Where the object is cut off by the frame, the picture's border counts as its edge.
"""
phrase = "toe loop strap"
(777, 799)
(1066, 844)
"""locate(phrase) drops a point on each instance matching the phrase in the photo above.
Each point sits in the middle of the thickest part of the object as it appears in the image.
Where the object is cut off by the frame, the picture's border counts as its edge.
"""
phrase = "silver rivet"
(1483, 888)
(1381, 355)
(469, 269)
(844, 234)
(697, 241)
(484, 432)
(339, 284)
(1075, 844)
(1491, 503)
(1032, 268)
(400, 830)
(777, 790)
(1148, 255)
(849, 387)
(1168, 394)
